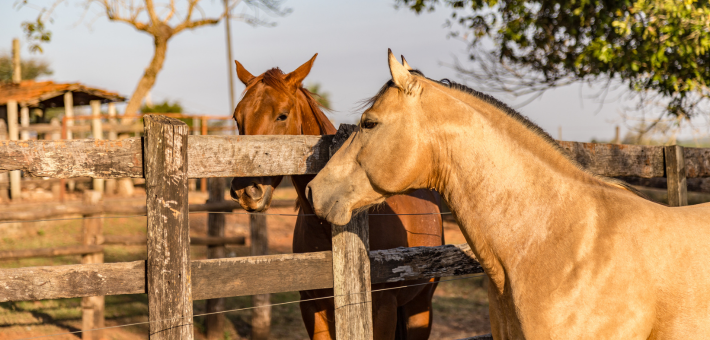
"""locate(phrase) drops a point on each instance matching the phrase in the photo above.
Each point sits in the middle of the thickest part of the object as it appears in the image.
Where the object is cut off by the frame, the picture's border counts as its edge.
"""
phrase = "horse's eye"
(281, 117)
(368, 124)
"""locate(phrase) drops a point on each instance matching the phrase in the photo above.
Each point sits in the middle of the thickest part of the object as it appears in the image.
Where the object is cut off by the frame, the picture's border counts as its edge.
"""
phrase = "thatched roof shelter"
(48, 94)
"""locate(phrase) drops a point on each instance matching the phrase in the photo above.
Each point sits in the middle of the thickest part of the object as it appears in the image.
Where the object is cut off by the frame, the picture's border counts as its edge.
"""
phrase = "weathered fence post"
(168, 275)
(214, 323)
(203, 181)
(92, 308)
(675, 176)
(351, 269)
(97, 132)
(67, 124)
(261, 315)
(25, 122)
(4, 178)
(110, 184)
(13, 134)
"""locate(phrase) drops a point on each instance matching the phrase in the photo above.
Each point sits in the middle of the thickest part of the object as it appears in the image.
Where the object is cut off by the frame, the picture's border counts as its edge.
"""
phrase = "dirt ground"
(460, 306)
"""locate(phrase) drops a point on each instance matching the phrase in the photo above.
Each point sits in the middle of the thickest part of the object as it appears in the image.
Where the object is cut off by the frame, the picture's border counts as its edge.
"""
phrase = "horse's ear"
(244, 76)
(405, 64)
(295, 78)
(400, 75)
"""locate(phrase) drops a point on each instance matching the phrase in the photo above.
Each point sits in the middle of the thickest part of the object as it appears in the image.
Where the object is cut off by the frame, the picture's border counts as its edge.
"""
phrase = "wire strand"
(254, 307)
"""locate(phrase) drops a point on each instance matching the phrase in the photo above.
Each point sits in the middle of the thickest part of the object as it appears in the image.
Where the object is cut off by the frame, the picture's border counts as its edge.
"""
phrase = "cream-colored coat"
(569, 255)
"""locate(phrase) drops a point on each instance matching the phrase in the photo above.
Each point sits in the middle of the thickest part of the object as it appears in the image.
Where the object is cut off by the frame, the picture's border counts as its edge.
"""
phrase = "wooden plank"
(616, 160)
(69, 281)
(238, 276)
(241, 276)
(675, 175)
(13, 135)
(50, 211)
(50, 252)
(194, 240)
(351, 279)
(168, 275)
(351, 268)
(261, 315)
(92, 307)
(697, 162)
(214, 323)
(400, 264)
(248, 156)
(97, 183)
(74, 158)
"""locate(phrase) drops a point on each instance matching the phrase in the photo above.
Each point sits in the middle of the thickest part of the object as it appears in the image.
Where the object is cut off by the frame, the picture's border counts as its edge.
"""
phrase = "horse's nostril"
(254, 191)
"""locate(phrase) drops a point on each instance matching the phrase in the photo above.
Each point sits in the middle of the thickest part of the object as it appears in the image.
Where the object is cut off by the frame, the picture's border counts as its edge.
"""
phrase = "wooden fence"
(166, 157)
(100, 126)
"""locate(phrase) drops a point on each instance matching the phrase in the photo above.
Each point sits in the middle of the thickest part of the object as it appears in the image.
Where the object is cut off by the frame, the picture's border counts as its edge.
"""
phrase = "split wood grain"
(74, 158)
(238, 276)
(249, 156)
(69, 281)
(168, 275)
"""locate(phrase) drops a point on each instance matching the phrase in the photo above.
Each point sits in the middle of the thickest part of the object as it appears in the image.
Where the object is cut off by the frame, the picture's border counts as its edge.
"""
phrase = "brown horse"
(275, 103)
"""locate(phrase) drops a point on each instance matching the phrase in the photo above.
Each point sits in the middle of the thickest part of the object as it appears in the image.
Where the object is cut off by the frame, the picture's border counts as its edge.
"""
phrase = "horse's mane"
(275, 78)
(513, 114)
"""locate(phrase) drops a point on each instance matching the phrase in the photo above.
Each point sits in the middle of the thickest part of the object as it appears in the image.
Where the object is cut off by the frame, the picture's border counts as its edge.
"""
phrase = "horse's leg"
(317, 315)
(419, 314)
(384, 314)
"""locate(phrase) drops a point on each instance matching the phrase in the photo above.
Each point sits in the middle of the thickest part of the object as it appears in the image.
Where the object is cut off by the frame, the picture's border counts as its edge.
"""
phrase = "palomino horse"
(569, 255)
(276, 104)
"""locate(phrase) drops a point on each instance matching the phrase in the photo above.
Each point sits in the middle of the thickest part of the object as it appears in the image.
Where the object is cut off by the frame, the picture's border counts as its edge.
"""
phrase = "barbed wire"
(254, 307)
(202, 212)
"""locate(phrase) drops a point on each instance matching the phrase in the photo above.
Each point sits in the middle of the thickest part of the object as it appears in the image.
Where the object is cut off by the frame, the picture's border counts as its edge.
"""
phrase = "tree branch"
(151, 11)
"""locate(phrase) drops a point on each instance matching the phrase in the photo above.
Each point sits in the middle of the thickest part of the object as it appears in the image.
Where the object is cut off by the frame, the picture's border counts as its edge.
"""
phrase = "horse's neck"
(507, 186)
(310, 125)
(313, 121)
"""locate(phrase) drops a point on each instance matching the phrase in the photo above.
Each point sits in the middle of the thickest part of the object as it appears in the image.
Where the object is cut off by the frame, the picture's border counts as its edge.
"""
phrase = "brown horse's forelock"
(367, 103)
(275, 78)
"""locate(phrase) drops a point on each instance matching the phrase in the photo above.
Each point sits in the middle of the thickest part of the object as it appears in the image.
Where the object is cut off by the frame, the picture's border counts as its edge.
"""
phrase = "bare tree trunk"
(151, 72)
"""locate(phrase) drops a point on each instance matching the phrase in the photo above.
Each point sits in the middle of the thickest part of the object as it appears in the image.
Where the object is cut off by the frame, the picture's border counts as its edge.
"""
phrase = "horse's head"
(274, 103)
(389, 154)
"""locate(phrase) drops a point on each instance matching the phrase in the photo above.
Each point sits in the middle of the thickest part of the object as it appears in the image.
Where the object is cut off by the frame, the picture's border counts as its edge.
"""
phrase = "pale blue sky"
(351, 38)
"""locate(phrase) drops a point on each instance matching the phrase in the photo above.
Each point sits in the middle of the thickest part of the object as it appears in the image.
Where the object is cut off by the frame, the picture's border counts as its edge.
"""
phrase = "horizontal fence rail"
(237, 156)
(54, 211)
(238, 276)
